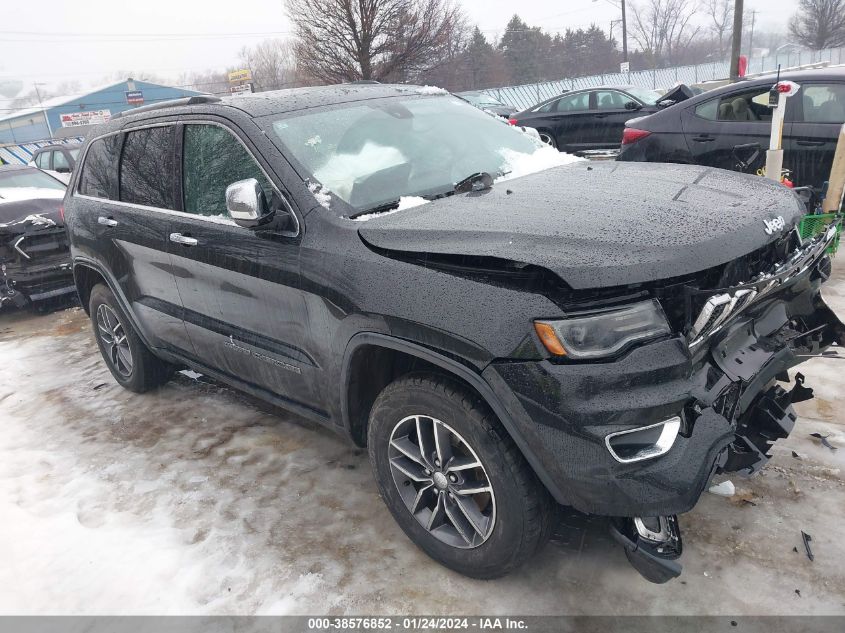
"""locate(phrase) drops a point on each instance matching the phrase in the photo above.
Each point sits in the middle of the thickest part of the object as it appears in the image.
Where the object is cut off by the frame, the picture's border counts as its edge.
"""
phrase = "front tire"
(453, 479)
(133, 366)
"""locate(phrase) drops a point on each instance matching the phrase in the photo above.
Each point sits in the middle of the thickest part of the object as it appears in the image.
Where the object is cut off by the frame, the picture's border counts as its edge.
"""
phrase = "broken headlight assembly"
(603, 334)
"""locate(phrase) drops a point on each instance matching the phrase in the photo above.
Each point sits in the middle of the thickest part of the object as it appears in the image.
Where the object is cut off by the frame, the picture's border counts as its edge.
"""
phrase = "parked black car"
(34, 255)
(589, 119)
(729, 127)
(346, 253)
(486, 102)
(57, 160)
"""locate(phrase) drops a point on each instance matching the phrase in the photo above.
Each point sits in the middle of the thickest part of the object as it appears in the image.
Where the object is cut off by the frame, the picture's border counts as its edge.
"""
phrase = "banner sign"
(241, 90)
(94, 117)
(134, 97)
(240, 75)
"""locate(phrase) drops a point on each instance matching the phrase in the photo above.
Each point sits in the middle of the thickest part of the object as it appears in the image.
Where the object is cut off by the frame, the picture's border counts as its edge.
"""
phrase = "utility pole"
(736, 40)
(43, 111)
(624, 34)
(751, 36)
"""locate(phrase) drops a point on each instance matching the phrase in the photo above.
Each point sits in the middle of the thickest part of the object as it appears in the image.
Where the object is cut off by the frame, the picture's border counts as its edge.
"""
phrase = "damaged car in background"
(504, 327)
(34, 255)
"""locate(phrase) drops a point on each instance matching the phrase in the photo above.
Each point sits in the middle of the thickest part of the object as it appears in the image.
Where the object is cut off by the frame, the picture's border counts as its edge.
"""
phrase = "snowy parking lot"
(195, 499)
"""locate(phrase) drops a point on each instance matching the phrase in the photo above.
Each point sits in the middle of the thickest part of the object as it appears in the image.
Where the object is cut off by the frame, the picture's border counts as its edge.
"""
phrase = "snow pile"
(321, 194)
(314, 141)
(431, 90)
(519, 164)
(341, 171)
(405, 202)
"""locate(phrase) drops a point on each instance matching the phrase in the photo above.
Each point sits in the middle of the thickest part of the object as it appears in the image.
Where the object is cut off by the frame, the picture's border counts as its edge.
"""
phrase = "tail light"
(513, 121)
(62, 212)
(632, 135)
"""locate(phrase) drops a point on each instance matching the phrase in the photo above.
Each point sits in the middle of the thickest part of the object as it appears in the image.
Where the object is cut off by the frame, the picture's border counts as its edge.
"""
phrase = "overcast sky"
(52, 41)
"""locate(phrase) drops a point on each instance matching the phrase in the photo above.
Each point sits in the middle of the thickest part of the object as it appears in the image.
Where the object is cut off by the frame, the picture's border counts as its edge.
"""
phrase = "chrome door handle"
(178, 238)
(106, 221)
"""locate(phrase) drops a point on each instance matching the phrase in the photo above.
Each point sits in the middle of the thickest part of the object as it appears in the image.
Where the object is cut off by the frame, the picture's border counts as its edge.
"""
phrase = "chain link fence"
(527, 95)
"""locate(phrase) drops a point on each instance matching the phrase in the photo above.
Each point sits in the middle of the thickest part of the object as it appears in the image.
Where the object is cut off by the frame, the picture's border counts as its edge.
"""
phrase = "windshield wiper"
(478, 181)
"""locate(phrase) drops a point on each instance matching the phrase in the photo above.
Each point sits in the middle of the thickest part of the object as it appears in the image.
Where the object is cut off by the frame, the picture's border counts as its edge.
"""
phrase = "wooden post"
(836, 183)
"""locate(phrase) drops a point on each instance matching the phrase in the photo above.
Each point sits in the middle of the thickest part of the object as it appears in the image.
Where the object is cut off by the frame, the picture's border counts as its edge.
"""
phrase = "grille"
(722, 306)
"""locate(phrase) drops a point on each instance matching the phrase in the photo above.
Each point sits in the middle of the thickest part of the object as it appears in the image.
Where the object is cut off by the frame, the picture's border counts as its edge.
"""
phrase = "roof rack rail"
(182, 101)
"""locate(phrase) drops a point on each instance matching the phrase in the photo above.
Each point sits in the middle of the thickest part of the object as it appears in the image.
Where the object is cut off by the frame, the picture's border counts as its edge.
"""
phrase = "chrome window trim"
(182, 214)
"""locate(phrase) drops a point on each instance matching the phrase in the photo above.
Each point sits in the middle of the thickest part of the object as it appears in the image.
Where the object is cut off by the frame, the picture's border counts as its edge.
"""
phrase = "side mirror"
(246, 203)
(633, 105)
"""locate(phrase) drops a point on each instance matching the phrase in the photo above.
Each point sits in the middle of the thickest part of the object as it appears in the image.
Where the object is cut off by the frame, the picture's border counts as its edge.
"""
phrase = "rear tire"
(483, 534)
(548, 138)
(133, 366)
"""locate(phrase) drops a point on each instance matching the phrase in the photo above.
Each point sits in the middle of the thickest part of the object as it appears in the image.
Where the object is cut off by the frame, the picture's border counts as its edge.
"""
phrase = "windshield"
(373, 153)
(22, 178)
(648, 97)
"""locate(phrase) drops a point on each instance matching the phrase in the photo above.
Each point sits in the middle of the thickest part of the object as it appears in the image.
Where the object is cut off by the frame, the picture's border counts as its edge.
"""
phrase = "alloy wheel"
(547, 139)
(113, 336)
(442, 481)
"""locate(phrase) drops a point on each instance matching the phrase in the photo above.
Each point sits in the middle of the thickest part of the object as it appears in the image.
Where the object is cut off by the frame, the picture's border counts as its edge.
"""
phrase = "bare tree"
(345, 40)
(272, 64)
(212, 81)
(663, 28)
(819, 23)
(720, 13)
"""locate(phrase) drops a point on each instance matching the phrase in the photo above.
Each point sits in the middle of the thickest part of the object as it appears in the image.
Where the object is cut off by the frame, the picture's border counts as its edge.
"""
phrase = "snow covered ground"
(196, 500)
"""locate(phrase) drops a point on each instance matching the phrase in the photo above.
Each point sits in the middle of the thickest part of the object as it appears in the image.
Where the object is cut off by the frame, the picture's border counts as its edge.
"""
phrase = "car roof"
(278, 101)
(59, 146)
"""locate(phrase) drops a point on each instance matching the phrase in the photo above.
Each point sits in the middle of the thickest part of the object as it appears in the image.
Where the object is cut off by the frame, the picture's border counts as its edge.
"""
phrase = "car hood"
(600, 224)
(17, 216)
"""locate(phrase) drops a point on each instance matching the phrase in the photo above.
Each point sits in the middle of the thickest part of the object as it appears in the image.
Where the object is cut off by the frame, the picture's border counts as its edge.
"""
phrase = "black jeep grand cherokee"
(604, 336)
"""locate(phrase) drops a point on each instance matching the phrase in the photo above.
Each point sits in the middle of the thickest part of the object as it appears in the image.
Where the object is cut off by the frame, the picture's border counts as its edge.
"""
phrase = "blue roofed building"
(70, 116)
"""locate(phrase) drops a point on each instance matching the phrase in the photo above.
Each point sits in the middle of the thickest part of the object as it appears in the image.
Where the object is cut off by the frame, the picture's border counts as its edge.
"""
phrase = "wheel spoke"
(473, 515)
(422, 493)
(410, 469)
(425, 437)
(442, 443)
(458, 462)
(410, 450)
(437, 514)
(124, 356)
(457, 518)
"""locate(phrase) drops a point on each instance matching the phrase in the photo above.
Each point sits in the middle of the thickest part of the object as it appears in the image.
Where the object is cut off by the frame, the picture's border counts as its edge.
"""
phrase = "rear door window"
(749, 105)
(146, 167)
(823, 103)
(574, 103)
(212, 159)
(99, 172)
(60, 161)
(43, 160)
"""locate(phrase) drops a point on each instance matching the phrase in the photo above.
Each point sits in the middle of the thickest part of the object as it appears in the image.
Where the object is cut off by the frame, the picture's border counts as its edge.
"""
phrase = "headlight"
(603, 333)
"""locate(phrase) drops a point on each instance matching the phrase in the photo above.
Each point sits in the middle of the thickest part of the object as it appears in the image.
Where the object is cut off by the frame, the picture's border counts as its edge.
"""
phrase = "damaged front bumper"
(34, 265)
(718, 380)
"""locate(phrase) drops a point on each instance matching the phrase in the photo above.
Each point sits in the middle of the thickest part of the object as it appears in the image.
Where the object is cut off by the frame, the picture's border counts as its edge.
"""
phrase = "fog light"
(645, 442)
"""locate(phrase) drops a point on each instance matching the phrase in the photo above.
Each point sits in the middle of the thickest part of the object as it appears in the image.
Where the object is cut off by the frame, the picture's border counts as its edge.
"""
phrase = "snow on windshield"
(341, 171)
(369, 155)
